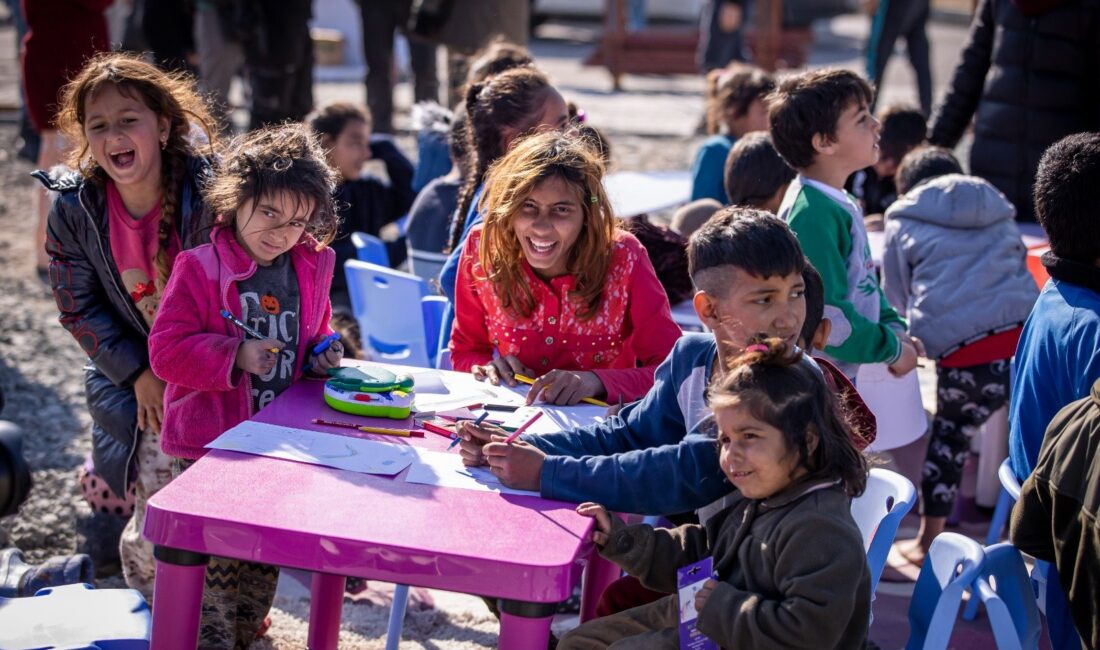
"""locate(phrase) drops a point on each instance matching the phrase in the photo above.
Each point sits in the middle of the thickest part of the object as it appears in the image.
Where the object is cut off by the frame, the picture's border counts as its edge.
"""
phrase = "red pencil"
(515, 434)
(438, 430)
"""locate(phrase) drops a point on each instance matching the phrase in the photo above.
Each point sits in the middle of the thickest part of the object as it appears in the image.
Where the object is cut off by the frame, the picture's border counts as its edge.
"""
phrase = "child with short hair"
(735, 106)
(821, 126)
(789, 565)
(267, 264)
(550, 287)
(115, 230)
(943, 229)
(902, 131)
(364, 202)
(1057, 358)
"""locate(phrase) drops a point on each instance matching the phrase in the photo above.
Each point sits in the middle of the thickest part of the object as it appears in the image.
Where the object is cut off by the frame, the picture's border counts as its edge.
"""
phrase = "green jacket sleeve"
(823, 232)
(653, 555)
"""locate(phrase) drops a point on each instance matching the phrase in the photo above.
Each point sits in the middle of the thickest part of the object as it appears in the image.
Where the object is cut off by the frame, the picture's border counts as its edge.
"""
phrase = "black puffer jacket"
(99, 313)
(1030, 72)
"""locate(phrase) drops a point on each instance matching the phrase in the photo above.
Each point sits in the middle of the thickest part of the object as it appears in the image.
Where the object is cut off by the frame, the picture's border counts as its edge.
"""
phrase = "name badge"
(689, 580)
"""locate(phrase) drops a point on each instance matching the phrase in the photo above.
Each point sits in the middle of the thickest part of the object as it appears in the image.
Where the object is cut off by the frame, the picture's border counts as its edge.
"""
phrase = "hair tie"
(593, 199)
(757, 347)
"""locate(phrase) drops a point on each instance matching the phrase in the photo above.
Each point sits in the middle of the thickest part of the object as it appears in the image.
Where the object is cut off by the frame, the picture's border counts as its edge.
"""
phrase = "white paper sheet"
(316, 448)
(896, 403)
(446, 470)
(554, 418)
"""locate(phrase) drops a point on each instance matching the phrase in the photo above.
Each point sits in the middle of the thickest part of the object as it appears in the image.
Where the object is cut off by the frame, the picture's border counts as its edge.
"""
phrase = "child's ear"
(812, 440)
(823, 144)
(821, 334)
(705, 309)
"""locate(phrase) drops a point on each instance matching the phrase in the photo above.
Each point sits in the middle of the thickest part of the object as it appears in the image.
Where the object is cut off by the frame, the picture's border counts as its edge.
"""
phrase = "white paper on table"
(896, 403)
(463, 390)
(315, 448)
(554, 418)
(429, 381)
(446, 470)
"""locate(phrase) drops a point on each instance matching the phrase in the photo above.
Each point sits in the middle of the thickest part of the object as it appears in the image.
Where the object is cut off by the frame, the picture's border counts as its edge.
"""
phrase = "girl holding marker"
(552, 286)
(269, 266)
(139, 139)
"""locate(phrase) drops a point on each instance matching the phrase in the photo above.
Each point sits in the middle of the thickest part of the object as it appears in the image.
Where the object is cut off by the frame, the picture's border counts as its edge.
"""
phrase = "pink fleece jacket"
(194, 349)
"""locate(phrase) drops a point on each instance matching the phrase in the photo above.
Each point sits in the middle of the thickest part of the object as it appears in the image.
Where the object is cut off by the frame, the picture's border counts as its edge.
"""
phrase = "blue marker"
(477, 422)
(325, 344)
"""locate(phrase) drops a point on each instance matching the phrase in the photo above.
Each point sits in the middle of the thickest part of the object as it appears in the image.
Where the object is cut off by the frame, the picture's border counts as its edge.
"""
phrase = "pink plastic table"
(528, 552)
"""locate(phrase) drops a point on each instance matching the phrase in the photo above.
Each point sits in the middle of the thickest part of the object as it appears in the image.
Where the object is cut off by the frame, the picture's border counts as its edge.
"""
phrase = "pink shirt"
(630, 335)
(134, 245)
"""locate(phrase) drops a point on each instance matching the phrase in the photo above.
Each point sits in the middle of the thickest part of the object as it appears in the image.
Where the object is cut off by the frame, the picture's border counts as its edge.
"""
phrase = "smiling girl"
(268, 265)
(114, 231)
(552, 286)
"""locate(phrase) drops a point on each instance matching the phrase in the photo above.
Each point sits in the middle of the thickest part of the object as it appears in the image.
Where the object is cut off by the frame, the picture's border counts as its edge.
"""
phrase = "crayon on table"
(517, 432)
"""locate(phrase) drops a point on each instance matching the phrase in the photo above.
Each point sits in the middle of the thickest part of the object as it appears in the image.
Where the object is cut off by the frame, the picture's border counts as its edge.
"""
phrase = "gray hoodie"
(954, 264)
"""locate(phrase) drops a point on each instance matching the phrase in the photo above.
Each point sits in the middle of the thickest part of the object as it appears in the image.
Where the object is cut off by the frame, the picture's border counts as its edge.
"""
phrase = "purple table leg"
(597, 576)
(325, 607)
(525, 626)
(177, 596)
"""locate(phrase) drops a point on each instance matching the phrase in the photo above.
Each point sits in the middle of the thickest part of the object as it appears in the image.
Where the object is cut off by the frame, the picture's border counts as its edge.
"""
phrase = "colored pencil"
(246, 329)
(587, 400)
(517, 432)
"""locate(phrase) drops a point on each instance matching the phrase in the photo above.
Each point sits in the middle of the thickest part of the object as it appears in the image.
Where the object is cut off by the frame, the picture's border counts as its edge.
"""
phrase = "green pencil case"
(370, 391)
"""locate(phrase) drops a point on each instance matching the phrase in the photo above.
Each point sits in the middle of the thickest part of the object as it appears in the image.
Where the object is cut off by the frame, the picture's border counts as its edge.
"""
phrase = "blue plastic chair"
(433, 307)
(369, 248)
(388, 305)
(878, 513)
(1004, 587)
(953, 564)
(76, 616)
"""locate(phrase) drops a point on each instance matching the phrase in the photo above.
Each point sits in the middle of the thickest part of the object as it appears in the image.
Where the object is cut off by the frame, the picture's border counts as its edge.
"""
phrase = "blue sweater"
(708, 174)
(654, 458)
(1057, 362)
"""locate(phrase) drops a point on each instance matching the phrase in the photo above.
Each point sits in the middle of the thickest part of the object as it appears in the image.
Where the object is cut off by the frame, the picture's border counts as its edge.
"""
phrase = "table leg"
(325, 607)
(177, 598)
(598, 574)
(525, 626)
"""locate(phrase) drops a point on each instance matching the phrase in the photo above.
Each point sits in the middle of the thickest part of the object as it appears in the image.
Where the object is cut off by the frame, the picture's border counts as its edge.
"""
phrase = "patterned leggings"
(236, 597)
(965, 398)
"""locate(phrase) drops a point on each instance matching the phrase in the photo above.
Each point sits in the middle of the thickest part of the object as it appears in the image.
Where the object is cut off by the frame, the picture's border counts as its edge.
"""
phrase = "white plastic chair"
(878, 513)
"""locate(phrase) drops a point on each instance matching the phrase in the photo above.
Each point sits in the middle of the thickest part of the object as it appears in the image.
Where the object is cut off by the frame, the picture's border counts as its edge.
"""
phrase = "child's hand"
(703, 594)
(257, 357)
(473, 438)
(330, 358)
(602, 533)
(518, 465)
(501, 369)
(906, 362)
(918, 345)
(149, 391)
(565, 387)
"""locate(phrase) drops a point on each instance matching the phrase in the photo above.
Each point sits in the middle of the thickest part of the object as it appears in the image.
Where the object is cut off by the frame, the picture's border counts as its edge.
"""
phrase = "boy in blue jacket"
(657, 455)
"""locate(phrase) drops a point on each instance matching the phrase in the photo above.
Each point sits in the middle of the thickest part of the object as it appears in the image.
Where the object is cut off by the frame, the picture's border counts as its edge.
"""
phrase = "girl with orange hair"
(553, 287)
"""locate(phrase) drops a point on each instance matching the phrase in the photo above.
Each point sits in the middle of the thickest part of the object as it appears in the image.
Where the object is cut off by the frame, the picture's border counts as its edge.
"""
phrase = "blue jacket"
(1057, 358)
(708, 173)
(657, 457)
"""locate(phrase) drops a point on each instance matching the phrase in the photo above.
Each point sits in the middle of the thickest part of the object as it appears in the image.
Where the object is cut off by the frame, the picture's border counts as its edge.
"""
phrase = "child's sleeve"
(654, 554)
(1030, 523)
(819, 566)
(896, 273)
(652, 334)
(85, 309)
(827, 243)
(470, 345)
(180, 350)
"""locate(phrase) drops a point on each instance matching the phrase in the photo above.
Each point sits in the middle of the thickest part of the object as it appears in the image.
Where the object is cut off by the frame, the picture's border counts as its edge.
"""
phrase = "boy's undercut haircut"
(809, 104)
(1067, 190)
(924, 163)
(754, 171)
(754, 241)
(903, 129)
(814, 293)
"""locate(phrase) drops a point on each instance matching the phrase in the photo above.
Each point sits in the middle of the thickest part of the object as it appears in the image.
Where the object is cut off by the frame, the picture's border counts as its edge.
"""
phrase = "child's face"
(856, 143)
(271, 225)
(774, 307)
(124, 137)
(753, 454)
(351, 149)
(754, 119)
(554, 117)
(547, 225)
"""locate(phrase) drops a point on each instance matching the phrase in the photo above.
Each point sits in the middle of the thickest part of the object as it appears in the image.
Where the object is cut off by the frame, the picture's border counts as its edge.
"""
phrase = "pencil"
(587, 400)
(515, 434)
(387, 431)
(246, 329)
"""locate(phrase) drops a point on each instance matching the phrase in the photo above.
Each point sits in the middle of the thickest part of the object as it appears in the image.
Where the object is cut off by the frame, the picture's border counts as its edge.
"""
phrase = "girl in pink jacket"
(267, 265)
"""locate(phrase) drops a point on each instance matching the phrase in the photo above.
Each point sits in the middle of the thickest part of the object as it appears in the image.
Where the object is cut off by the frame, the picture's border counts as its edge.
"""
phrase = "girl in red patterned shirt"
(553, 287)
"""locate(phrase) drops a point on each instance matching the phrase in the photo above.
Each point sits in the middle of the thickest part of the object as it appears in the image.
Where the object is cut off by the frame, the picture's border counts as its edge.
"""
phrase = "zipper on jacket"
(138, 320)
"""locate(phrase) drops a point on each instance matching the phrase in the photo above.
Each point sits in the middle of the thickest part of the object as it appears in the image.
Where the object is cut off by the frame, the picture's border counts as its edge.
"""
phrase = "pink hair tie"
(757, 347)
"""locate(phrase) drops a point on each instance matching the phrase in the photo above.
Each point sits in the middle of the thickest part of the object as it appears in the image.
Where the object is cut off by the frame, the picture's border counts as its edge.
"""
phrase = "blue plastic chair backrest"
(878, 513)
(953, 564)
(1005, 589)
(76, 616)
(1008, 479)
(369, 248)
(387, 304)
(433, 307)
